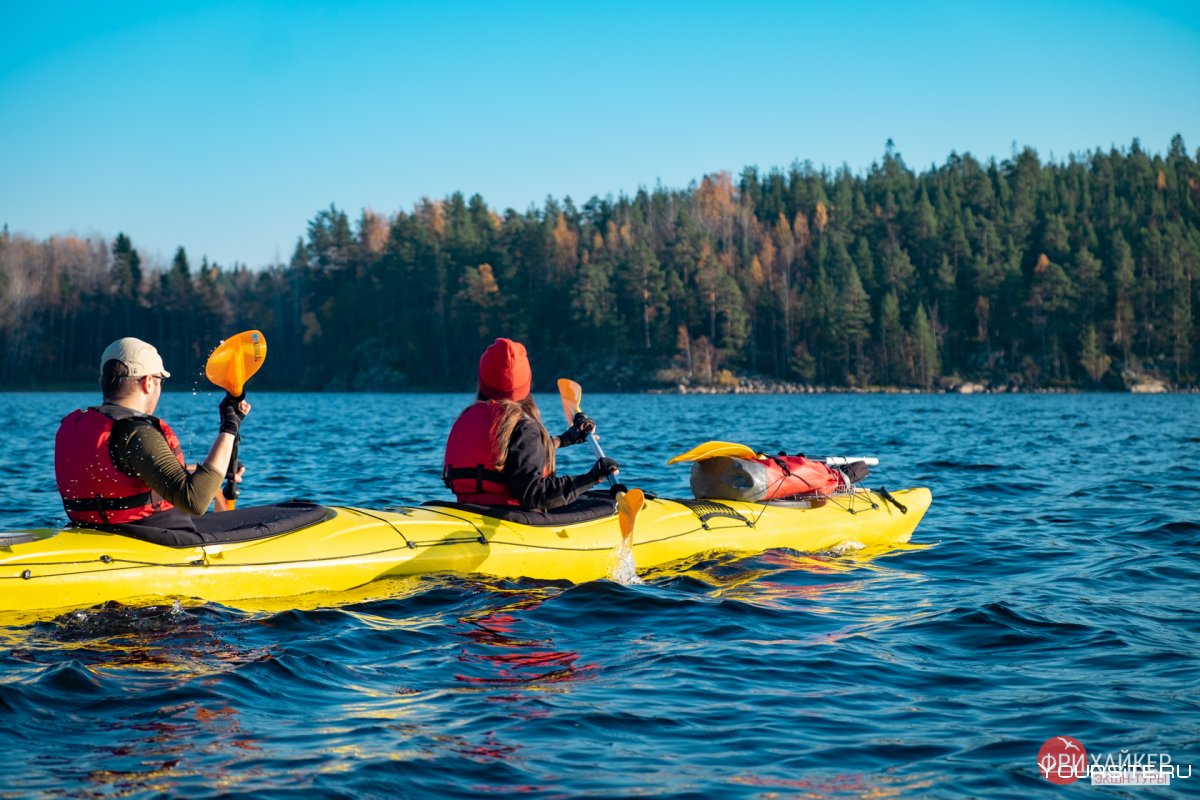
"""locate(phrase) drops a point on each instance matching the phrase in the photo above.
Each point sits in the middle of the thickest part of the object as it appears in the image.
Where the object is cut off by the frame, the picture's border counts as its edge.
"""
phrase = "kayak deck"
(352, 547)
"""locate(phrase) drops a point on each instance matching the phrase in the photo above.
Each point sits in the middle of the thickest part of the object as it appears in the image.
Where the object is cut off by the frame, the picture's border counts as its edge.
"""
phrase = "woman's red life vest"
(94, 490)
(469, 469)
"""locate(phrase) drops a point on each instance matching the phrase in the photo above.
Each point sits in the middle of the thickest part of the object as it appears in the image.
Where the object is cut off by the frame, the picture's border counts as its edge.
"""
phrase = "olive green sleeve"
(144, 452)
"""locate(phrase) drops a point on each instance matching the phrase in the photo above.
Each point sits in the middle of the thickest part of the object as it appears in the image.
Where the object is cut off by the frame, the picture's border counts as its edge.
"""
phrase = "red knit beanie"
(504, 372)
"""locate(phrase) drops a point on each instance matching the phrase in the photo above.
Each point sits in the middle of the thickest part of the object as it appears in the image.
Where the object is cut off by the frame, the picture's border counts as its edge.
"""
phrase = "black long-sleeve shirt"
(526, 461)
(138, 448)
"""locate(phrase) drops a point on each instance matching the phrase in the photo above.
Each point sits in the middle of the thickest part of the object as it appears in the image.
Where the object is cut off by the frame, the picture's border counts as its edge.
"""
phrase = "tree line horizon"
(1016, 273)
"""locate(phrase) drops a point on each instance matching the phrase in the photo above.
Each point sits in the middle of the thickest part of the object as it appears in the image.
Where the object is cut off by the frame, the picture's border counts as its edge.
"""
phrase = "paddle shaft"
(571, 394)
(629, 503)
(599, 453)
(231, 488)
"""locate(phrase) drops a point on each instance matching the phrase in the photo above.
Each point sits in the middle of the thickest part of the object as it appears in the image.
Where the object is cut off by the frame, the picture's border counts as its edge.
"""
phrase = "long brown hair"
(507, 421)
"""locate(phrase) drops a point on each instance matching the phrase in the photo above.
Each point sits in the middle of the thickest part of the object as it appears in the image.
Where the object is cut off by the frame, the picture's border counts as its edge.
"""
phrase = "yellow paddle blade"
(714, 449)
(572, 395)
(235, 360)
(628, 505)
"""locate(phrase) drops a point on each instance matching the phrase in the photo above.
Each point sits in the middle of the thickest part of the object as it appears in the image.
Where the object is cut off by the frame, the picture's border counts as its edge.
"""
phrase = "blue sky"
(225, 127)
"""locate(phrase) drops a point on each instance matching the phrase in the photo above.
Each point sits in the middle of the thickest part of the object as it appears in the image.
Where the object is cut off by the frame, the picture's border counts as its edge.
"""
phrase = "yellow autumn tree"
(372, 232)
(820, 217)
(565, 247)
(801, 233)
(757, 273)
(716, 209)
(432, 213)
(766, 258)
(479, 298)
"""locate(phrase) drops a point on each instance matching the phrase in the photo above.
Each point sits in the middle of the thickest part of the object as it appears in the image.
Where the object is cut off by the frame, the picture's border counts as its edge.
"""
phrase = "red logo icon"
(1062, 760)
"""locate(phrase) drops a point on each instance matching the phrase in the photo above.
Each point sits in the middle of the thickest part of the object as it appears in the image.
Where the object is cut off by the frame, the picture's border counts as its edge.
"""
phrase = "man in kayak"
(117, 464)
(500, 453)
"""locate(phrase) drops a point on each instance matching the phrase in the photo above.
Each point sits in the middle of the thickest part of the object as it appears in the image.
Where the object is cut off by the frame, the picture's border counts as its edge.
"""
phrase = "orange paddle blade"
(235, 360)
(572, 395)
(628, 505)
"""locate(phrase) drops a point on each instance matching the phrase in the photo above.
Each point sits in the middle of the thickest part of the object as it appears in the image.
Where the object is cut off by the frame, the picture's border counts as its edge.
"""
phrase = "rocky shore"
(1135, 384)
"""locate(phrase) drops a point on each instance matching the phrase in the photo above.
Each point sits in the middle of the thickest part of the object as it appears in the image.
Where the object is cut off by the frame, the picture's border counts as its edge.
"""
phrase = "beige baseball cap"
(141, 358)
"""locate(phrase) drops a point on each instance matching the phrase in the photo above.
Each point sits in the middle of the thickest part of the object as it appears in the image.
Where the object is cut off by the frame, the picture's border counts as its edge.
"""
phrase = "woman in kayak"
(500, 453)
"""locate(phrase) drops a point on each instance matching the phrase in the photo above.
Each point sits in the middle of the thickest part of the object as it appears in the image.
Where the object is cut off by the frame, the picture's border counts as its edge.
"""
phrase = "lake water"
(1057, 597)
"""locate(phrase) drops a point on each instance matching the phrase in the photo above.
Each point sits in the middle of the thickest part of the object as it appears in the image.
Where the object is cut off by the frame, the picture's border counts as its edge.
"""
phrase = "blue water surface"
(1057, 595)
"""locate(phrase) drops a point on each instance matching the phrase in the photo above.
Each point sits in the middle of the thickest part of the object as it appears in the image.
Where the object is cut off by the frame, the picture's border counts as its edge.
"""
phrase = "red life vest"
(94, 490)
(469, 467)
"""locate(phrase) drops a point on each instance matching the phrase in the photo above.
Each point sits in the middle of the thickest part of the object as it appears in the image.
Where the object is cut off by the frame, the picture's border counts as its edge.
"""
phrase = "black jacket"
(524, 466)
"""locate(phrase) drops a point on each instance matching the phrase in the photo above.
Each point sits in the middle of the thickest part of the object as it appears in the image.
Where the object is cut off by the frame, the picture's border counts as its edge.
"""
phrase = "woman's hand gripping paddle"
(628, 503)
(572, 394)
(232, 364)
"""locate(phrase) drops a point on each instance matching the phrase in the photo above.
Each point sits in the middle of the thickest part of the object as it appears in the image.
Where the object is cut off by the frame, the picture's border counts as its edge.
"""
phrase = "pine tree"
(1123, 282)
(927, 365)
(854, 323)
(329, 238)
(1092, 356)
(892, 342)
(126, 268)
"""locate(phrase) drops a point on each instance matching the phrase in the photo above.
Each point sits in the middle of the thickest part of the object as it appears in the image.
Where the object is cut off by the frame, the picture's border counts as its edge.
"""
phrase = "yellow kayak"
(339, 548)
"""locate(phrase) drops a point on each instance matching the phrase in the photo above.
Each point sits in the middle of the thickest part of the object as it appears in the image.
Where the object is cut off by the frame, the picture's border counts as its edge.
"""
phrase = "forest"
(1016, 274)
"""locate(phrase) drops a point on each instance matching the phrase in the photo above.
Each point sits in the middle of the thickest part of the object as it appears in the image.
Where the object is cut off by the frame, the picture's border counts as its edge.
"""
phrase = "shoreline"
(964, 387)
(750, 388)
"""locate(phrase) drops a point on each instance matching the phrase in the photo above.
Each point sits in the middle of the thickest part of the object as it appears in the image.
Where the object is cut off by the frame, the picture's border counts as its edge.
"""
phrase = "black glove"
(602, 469)
(231, 417)
(580, 428)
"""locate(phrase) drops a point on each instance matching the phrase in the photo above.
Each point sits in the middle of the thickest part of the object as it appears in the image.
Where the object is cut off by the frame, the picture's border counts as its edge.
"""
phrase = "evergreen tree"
(892, 342)
(1092, 357)
(927, 363)
(1122, 282)
(126, 268)
(855, 325)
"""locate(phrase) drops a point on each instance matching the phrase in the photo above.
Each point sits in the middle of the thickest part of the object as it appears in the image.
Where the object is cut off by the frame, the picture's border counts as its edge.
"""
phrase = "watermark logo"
(1062, 760)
